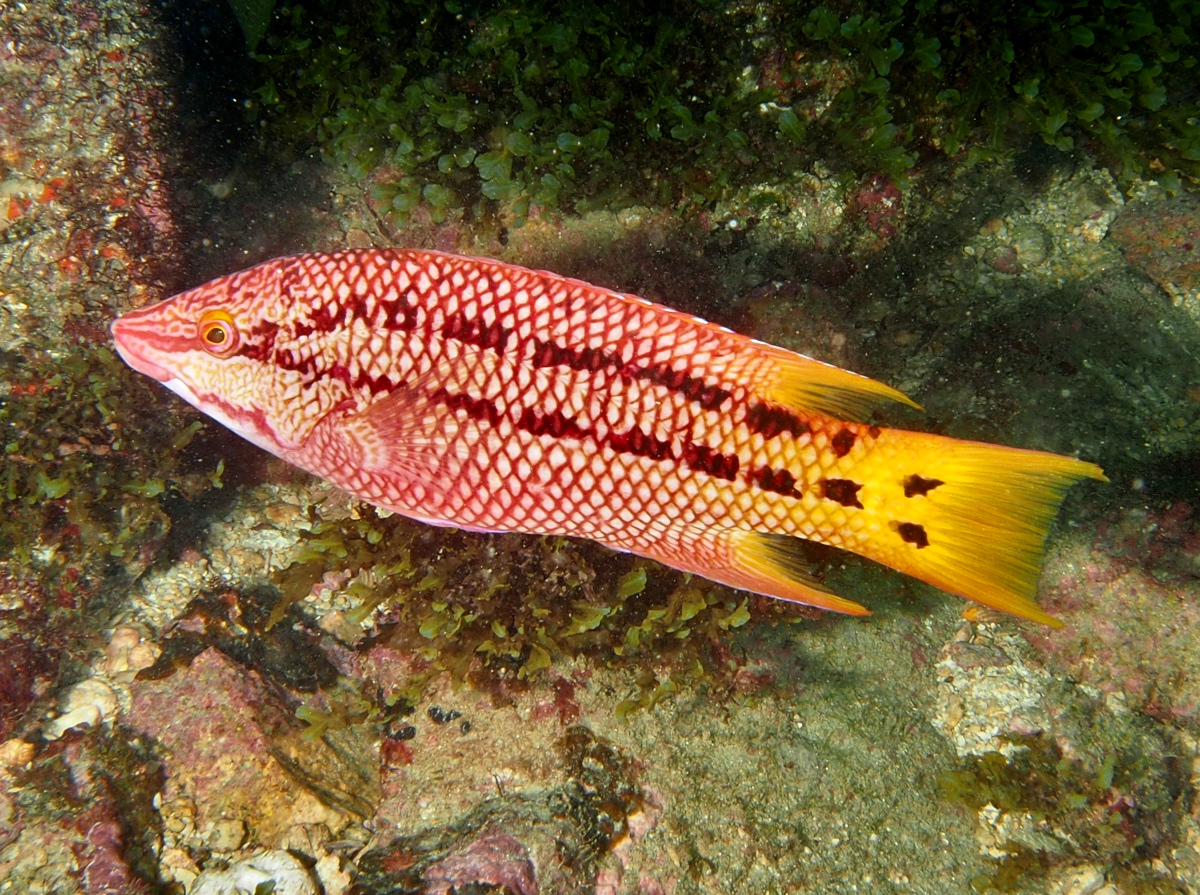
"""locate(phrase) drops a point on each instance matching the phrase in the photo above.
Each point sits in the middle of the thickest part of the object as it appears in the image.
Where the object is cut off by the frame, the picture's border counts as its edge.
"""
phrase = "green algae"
(80, 498)
(254, 16)
(1118, 805)
(448, 110)
(343, 707)
(1114, 76)
(512, 108)
(503, 611)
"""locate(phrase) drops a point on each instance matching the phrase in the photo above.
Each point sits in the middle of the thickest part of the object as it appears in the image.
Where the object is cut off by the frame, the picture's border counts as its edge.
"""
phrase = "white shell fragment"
(290, 877)
(88, 703)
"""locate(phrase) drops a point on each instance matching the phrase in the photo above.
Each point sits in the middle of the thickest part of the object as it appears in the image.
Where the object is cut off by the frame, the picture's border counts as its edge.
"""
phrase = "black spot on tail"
(843, 491)
(912, 533)
(918, 486)
(843, 442)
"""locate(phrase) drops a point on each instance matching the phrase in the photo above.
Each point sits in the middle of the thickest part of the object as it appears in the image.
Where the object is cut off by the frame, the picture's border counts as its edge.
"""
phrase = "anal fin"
(772, 565)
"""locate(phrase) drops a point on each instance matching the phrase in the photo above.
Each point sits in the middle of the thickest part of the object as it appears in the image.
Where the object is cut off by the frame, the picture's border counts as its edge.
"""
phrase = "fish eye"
(218, 333)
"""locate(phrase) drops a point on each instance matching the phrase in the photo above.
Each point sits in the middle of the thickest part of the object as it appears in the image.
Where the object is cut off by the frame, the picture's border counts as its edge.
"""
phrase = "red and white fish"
(468, 392)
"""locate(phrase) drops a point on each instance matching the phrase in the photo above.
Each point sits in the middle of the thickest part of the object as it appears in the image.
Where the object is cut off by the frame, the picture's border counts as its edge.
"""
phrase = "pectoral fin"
(406, 434)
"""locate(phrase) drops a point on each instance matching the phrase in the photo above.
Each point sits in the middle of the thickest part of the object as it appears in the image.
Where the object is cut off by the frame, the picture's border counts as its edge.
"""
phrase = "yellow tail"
(967, 517)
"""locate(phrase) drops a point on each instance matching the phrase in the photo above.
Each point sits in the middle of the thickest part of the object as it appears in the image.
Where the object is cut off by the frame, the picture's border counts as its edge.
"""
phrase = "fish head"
(213, 346)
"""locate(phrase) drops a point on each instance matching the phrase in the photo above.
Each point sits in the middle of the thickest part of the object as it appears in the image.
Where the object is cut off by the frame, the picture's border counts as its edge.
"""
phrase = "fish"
(474, 393)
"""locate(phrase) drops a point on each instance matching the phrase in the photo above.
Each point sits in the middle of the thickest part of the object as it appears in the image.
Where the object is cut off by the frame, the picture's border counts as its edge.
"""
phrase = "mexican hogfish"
(468, 392)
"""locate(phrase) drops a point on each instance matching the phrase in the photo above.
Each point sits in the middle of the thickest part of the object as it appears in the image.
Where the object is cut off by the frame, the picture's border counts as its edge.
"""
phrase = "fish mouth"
(130, 347)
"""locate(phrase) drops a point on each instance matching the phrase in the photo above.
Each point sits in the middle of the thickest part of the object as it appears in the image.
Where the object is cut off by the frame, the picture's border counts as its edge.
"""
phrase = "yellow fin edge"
(804, 384)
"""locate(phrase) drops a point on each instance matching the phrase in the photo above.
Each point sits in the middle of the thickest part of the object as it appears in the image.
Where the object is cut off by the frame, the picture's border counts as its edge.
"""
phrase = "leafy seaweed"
(476, 109)
(254, 16)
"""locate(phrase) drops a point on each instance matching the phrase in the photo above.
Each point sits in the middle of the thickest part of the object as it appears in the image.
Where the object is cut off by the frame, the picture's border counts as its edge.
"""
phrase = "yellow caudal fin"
(967, 517)
(803, 384)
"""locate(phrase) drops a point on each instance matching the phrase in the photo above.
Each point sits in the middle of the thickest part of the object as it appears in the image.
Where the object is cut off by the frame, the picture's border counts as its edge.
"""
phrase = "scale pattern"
(468, 392)
(560, 407)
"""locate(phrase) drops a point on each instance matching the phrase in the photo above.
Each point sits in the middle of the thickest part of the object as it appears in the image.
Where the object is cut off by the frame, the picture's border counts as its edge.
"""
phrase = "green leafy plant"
(254, 16)
(1116, 76)
(447, 108)
(517, 108)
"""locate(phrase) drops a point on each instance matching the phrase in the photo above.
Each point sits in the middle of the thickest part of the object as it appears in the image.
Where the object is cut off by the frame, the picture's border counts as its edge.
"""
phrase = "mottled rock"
(1086, 879)
(103, 868)
(10, 817)
(25, 670)
(1161, 237)
(1001, 834)
(494, 859)
(986, 691)
(227, 835)
(127, 653)
(215, 723)
(88, 703)
(341, 766)
(1132, 620)
(1030, 241)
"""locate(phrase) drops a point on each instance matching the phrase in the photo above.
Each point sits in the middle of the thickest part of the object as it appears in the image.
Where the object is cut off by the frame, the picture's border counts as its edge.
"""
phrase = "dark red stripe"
(480, 409)
(547, 354)
(778, 480)
(256, 417)
(558, 425)
(770, 420)
(635, 441)
(709, 397)
(473, 331)
(309, 369)
(554, 424)
(704, 459)
(259, 343)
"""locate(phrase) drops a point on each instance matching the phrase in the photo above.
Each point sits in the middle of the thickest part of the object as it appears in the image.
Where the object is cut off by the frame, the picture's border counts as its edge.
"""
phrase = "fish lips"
(129, 346)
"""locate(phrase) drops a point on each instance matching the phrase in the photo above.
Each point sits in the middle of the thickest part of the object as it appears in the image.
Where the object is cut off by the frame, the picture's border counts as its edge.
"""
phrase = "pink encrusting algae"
(468, 392)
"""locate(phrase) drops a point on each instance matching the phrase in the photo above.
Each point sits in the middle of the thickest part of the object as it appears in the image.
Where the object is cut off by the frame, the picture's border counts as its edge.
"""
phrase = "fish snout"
(133, 347)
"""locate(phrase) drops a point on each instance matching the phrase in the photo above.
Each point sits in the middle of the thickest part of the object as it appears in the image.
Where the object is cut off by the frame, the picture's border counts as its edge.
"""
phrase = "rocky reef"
(218, 675)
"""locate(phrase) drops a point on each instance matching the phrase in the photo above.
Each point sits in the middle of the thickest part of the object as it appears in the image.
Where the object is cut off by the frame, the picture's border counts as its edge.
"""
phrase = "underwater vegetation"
(504, 611)
(487, 108)
(1122, 805)
(76, 502)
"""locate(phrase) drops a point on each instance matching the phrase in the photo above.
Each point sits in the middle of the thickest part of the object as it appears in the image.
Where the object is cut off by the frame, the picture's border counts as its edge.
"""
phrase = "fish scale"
(469, 392)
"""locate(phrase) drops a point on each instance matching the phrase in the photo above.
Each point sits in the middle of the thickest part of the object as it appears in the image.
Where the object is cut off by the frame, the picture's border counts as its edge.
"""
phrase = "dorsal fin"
(806, 385)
